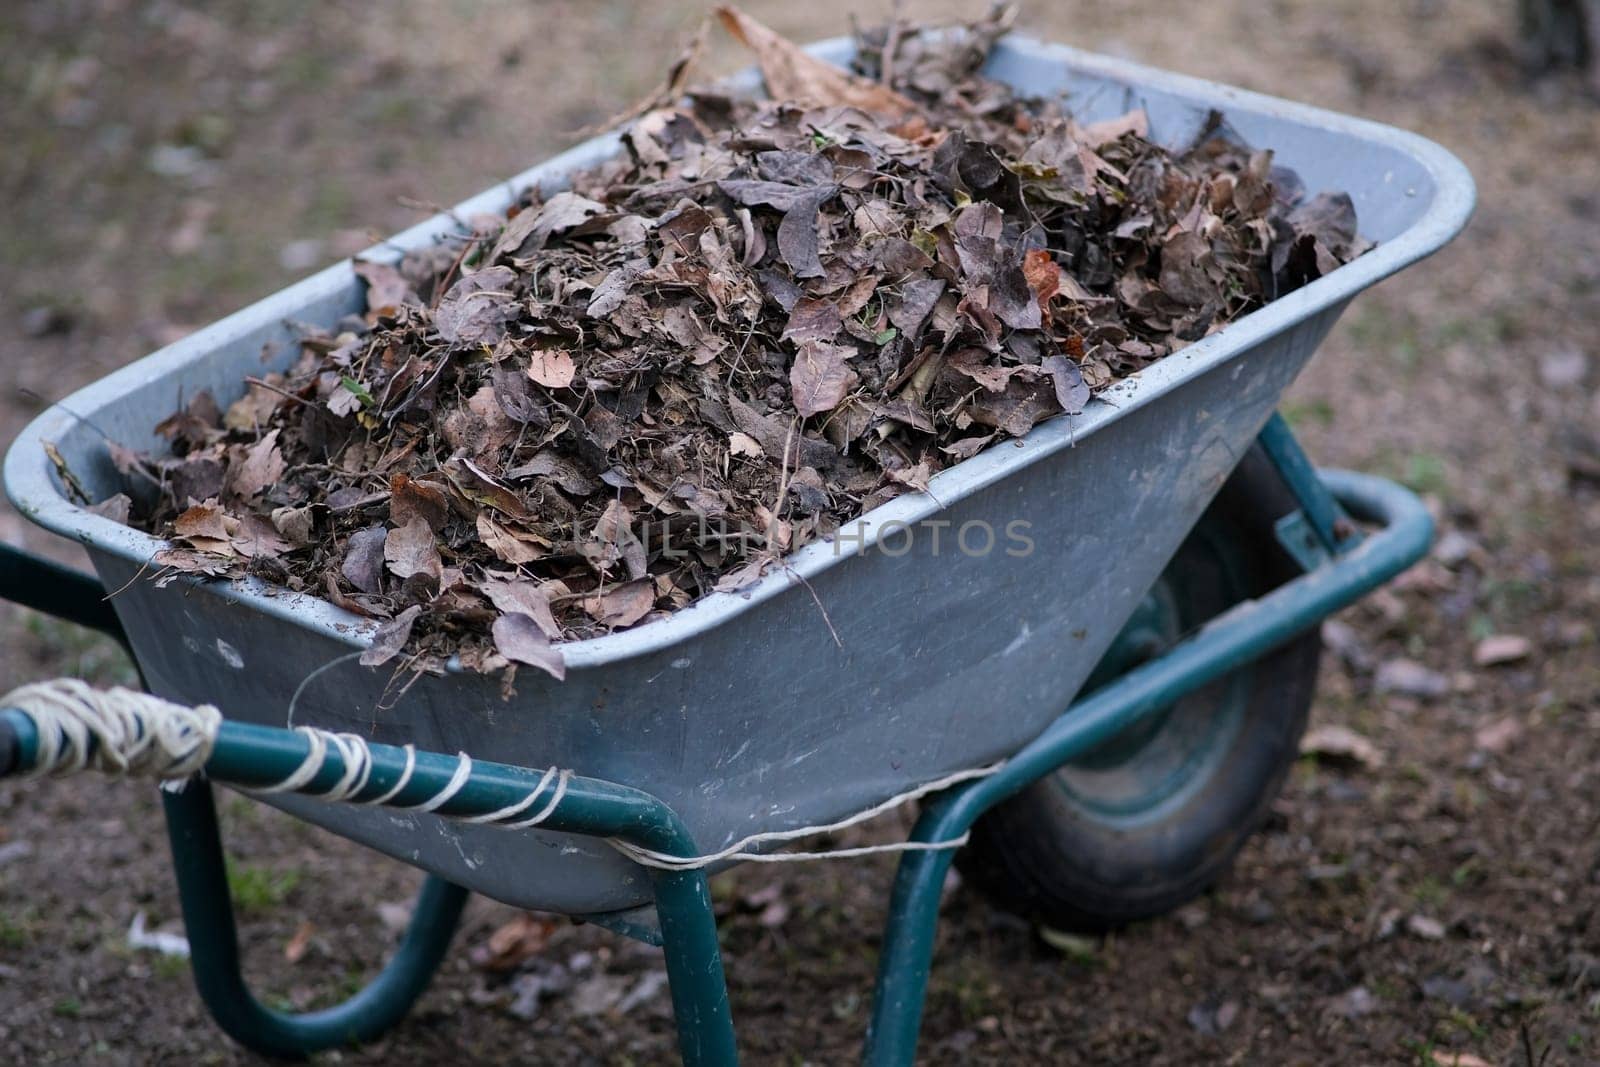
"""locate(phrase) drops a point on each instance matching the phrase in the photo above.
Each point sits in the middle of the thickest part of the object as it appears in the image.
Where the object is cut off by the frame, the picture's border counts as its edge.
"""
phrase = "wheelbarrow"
(1089, 654)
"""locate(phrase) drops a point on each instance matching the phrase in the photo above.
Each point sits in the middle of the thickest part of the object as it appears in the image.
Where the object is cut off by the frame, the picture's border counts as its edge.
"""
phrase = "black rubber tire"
(1044, 857)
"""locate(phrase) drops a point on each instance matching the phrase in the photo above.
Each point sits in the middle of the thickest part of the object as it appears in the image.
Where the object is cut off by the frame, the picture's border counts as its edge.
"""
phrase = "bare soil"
(167, 163)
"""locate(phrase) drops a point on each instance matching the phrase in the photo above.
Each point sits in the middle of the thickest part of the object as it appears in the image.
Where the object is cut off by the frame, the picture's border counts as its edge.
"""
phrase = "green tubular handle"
(47, 586)
(247, 755)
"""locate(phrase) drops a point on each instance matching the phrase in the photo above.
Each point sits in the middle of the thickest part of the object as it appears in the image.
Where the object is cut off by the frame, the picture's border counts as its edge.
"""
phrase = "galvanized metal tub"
(918, 648)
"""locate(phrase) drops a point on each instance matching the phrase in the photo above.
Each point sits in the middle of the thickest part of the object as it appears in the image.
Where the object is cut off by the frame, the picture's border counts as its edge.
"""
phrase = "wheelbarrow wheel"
(1153, 817)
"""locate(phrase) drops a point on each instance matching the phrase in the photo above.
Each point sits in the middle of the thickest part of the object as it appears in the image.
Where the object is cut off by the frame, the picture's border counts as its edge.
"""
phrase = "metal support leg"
(694, 969)
(1227, 642)
(1327, 520)
(197, 859)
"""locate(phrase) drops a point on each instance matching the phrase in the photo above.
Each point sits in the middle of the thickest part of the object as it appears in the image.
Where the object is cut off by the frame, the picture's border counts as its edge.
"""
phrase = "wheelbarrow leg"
(197, 859)
(694, 969)
(906, 957)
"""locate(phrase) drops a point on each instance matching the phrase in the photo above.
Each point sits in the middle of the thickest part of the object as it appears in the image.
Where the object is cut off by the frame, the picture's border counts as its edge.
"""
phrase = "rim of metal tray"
(30, 482)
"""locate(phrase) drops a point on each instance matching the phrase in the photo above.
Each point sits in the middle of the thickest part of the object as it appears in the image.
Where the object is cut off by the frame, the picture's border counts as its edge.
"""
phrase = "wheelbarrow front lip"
(33, 489)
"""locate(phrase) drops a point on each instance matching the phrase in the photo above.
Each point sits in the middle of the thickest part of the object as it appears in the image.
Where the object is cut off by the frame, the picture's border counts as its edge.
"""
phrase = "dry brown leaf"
(205, 522)
(116, 507)
(820, 378)
(1043, 275)
(261, 468)
(411, 550)
(387, 288)
(1097, 134)
(410, 499)
(255, 409)
(551, 368)
(1446, 1058)
(793, 74)
(519, 596)
(513, 943)
(296, 524)
(622, 605)
(390, 638)
(503, 541)
(519, 638)
(363, 559)
(295, 950)
(255, 537)
(742, 444)
(477, 307)
(1341, 744)
(1500, 649)
(1072, 393)
(1498, 736)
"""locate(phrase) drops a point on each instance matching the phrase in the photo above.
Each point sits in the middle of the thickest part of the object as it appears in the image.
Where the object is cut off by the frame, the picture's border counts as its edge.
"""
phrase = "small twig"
(38, 398)
(783, 482)
(75, 488)
(890, 46)
(668, 91)
(797, 576)
(269, 387)
(445, 279)
(123, 588)
(429, 206)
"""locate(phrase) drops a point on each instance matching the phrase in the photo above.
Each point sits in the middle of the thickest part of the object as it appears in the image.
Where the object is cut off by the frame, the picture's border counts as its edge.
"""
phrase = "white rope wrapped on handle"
(117, 731)
(120, 731)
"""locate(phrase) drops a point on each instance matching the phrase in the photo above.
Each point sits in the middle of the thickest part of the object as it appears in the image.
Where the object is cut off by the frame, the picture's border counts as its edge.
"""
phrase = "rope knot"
(117, 731)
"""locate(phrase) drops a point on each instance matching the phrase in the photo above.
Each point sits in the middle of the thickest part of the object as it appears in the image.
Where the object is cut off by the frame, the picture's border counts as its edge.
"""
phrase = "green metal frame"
(250, 756)
(47, 586)
(247, 755)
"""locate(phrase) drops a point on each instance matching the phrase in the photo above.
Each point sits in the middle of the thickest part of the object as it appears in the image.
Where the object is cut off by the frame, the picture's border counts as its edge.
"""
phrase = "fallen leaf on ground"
(1500, 649)
(513, 943)
(1425, 928)
(1446, 1058)
(551, 368)
(1340, 744)
(140, 937)
(1410, 678)
(1498, 736)
(295, 950)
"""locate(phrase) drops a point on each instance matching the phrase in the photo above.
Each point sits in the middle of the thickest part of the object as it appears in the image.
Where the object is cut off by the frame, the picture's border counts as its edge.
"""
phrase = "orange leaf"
(295, 950)
(1043, 276)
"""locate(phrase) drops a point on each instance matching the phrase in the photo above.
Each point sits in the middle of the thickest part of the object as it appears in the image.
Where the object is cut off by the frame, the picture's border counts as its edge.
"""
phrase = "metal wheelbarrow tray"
(741, 712)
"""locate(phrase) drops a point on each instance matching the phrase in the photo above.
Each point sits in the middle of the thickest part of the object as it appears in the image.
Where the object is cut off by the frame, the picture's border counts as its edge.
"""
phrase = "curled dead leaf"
(520, 639)
(793, 74)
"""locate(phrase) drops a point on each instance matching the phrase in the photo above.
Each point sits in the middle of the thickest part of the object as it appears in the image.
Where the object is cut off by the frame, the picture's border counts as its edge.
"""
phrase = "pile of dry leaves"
(762, 319)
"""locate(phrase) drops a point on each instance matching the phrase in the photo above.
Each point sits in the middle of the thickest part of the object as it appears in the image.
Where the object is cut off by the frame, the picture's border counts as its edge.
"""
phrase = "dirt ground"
(165, 163)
